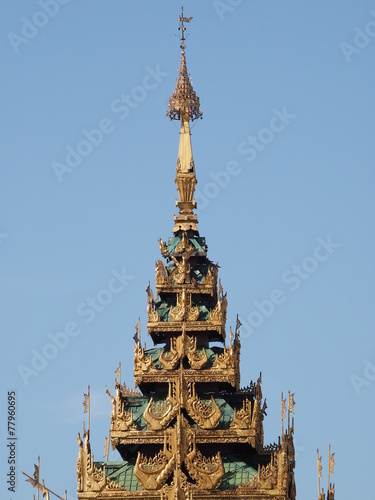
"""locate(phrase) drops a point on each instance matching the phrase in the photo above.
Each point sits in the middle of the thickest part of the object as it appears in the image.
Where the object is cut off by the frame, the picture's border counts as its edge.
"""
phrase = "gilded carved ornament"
(181, 273)
(206, 414)
(224, 360)
(161, 274)
(184, 309)
(142, 363)
(219, 312)
(91, 478)
(197, 358)
(179, 448)
(152, 314)
(152, 472)
(160, 413)
(242, 417)
(169, 359)
(192, 313)
(207, 472)
(184, 245)
(277, 475)
(177, 313)
(163, 248)
(211, 277)
(258, 412)
(121, 420)
(127, 391)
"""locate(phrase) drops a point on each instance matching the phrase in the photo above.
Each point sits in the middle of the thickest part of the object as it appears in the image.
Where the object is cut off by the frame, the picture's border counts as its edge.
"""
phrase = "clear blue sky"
(291, 219)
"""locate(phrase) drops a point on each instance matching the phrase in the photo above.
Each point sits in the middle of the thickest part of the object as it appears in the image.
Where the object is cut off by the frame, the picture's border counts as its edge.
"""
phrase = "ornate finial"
(184, 103)
(184, 106)
(183, 20)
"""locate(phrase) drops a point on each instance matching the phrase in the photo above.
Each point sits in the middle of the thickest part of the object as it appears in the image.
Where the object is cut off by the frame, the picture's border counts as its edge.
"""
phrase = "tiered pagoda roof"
(188, 430)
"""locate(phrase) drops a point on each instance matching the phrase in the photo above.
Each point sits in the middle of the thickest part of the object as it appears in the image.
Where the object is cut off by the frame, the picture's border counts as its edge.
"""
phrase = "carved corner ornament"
(210, 280)
(142, 363)
(121, 420)
(277, 475)
(219, 312)
(161, 273)
(91, 478)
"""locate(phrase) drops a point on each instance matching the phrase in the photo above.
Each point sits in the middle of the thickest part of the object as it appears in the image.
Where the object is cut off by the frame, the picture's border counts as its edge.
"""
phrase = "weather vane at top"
(183, 20)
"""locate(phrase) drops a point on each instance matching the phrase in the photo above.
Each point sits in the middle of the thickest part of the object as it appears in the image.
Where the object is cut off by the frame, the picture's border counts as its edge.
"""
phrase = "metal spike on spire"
(184, 106)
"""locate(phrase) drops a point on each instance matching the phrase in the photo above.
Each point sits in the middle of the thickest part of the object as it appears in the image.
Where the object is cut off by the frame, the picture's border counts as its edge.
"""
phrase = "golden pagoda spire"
(184, 106)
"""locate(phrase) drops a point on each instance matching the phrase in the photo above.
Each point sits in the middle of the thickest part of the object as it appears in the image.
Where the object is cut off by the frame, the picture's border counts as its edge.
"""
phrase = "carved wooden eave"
(185, 312)
(225, 368)
(223, 376)
(274, 480)
(91, 478)
(160, 331)
(202, 436)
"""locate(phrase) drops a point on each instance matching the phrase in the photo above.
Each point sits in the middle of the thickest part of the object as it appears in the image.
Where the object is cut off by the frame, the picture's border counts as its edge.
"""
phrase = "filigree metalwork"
(211, 277)
(153, 472)
(224, 360)
(242, 417)
(142, 363)
(127, 391)
(158, 414)
(169, 359)
(121, 419)
(219, 312)
(91, 478)
(206, 414)
(161, 274)
(184, 101)
(177, 313)
(184, 245)
(197, 358)
(207, 472)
